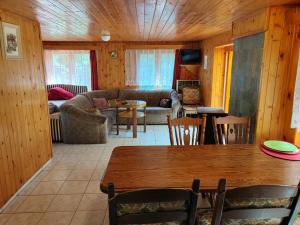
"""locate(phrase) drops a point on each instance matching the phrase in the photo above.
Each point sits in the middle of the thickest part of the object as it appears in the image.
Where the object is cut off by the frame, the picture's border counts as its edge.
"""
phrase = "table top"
(137, 167)
(132, 104)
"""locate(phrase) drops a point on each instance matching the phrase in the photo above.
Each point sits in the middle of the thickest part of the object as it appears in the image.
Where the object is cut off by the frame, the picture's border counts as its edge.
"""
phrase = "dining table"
(139, 167)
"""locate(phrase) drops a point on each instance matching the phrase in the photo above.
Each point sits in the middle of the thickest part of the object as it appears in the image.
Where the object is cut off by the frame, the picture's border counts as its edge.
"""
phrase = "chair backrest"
(186, 130)
(151, 206)
(231, 130)
(262, 204)
(191, 96)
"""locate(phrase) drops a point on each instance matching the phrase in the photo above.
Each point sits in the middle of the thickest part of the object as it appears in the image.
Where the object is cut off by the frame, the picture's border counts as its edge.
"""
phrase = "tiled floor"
(67, 190)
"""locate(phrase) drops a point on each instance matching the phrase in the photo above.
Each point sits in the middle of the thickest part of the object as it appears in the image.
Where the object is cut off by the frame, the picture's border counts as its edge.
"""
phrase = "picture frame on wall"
(11, 41)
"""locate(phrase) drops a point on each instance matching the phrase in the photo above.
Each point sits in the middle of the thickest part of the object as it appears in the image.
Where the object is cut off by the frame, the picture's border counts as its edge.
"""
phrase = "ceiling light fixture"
(105, 35)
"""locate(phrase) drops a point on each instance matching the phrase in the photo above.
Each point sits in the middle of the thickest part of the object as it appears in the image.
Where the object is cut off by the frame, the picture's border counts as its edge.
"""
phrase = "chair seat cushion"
(257, 203)
(204, 218)
(124, 209)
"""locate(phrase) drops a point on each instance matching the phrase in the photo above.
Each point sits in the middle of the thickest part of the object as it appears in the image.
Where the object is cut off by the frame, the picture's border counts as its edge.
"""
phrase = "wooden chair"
(231, 130)
(151, 206)
(182, 130)
(263, 204)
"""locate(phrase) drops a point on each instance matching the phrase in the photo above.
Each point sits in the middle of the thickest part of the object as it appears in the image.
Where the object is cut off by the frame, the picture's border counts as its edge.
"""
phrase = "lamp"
(105, 35)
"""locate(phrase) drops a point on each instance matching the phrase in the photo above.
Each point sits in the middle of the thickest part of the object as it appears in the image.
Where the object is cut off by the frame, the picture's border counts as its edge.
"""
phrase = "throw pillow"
(100, 103)
(165, 103)
(58, 93)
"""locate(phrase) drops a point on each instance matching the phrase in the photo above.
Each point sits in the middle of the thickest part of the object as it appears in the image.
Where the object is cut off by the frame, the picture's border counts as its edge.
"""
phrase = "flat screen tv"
(190, 56)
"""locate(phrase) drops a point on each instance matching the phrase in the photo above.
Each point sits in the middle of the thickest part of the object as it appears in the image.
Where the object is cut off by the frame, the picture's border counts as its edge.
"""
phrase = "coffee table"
(132, 113)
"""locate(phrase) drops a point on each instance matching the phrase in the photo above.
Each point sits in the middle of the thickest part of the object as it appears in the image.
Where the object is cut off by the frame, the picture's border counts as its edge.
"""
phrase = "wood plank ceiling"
(136, 20)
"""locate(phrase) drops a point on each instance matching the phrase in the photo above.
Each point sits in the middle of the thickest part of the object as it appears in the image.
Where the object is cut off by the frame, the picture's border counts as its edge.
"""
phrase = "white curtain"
(68, 67)
(149, 68)
(296, 106)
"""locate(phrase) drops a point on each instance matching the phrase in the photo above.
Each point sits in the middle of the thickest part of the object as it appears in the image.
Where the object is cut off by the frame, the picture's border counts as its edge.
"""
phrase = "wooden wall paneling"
(274, 86)
(112, 71)
(251, 25)
(289, 133)
(25, 142)
(189, 72)
(207, 47)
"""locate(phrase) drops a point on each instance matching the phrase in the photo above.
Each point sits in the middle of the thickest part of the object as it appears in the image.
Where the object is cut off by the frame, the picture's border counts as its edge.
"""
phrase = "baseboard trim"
(24, 186)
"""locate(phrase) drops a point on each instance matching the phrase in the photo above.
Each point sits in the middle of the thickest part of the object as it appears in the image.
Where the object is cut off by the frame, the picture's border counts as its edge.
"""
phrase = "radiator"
(55, 126)
(75, 89)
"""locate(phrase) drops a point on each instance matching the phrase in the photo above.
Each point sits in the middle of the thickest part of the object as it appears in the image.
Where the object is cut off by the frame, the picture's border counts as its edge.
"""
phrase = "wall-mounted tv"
(190, 56)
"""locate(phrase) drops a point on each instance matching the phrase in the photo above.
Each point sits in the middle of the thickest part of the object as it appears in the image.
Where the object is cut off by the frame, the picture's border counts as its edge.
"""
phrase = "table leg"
(128, 120)
(134, 120)
(145, 119)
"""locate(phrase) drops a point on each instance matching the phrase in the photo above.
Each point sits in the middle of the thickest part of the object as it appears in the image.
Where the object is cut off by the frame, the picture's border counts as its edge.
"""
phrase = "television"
(190, 56)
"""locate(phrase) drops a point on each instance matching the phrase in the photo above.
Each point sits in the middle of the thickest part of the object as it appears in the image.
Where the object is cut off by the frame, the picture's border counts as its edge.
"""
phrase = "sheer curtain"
(296, 106)
(149, 68)
(68, 67)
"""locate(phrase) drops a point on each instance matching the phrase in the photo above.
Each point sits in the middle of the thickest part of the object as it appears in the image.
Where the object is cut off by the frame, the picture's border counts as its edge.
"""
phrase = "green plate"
(280, 146)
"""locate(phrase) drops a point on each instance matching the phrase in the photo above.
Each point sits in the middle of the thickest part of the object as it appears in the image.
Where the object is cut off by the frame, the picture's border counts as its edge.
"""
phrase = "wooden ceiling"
(136, 20)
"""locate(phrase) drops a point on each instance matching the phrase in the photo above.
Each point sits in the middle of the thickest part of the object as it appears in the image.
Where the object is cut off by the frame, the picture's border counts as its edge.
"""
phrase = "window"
(296, 106)
(68, 67)
(149, 69)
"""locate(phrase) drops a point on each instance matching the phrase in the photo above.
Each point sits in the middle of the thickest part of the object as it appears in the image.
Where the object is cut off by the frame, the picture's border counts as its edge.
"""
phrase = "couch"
(81, 124)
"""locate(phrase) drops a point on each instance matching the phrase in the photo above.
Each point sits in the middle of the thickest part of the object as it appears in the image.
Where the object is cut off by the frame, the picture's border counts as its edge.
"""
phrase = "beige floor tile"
(86, 165)
(47, 188)
(4, 218)
(56, 218)
(12, 207)
(97, 174)
(73, 187)
(93, 202)
(80, 175)
(57, 175)
(88, 218)
(63, 203)
(29, 188)
(41, 175)
(65, 165)
(24, 219)
(36, 203)
(93, 187)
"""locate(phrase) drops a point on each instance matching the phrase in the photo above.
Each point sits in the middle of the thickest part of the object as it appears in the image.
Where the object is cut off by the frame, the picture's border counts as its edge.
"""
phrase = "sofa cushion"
(107, 94)
(100, 103)
(59, 93)
(152, 97)
(165, 103)
(79, 101)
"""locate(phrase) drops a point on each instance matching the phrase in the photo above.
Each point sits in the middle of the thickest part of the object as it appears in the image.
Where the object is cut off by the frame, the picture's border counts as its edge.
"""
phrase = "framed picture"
(11, 41)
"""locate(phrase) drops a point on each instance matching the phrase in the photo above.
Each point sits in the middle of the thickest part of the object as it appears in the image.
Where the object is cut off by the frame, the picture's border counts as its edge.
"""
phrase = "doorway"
(221, 77)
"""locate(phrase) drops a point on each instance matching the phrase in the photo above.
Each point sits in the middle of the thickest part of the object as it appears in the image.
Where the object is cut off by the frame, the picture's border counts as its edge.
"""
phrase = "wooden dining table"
(139, 167)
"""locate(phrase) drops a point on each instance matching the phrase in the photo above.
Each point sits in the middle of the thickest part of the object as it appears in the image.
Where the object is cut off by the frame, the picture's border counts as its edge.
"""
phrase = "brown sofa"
(81, 126)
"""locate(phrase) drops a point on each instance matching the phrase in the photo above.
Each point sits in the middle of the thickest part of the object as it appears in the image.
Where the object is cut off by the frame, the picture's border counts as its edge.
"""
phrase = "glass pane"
(68, 67)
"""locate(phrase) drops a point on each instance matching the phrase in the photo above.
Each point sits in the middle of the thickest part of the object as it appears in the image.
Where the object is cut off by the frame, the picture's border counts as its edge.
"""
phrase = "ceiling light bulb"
(105, 35)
